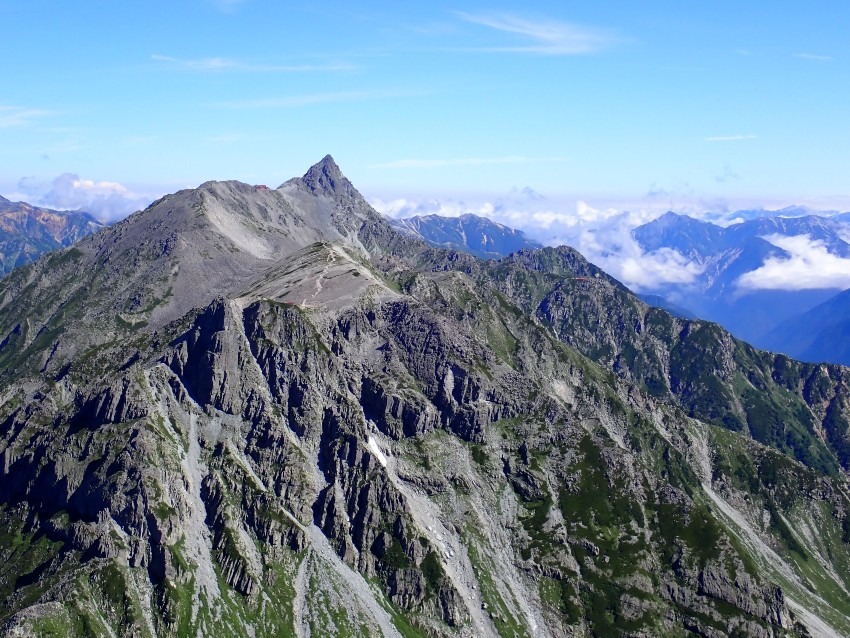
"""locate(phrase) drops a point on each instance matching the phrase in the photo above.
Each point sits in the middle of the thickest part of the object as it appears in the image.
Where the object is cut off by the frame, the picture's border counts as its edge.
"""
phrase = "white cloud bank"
(810, 266)
(602, 235)
(107, 201)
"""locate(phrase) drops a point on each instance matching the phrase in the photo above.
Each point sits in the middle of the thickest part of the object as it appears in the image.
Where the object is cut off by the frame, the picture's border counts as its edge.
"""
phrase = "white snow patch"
(373, 447)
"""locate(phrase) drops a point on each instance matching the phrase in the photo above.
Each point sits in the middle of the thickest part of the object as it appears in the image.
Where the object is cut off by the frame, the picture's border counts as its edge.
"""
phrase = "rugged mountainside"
(727, 253)
(27, 232)
(266, 413)
(469, 233)
(657, 301)
(819, 334)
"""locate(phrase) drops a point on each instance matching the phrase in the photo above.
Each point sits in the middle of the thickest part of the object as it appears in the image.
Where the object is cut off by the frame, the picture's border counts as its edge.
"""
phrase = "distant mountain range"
(756, 213)
(819, 334)
(27, 231)
(725, 254)
(469, 233)
(808, 324)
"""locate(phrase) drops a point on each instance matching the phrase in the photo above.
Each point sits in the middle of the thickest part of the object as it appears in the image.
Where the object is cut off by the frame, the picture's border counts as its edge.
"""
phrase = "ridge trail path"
(329, 262)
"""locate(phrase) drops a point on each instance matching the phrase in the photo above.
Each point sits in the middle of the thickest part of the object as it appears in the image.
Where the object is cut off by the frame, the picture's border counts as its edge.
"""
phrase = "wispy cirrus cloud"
(310, 99)
(217, 64)
(814, 57)
(467, 161)
(540, 36)
(15, 116)
(730, 138)
(225, 138)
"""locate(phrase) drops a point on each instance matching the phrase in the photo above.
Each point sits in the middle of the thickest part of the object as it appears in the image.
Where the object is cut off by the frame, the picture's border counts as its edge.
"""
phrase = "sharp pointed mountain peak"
(324, 178)
(673, 217)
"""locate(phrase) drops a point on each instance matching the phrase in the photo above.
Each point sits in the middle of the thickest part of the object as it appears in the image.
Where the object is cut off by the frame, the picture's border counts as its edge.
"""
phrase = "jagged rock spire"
(325, 177)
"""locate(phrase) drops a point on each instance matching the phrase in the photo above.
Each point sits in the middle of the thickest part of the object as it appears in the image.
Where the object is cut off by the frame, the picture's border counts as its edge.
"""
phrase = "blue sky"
(616, 103)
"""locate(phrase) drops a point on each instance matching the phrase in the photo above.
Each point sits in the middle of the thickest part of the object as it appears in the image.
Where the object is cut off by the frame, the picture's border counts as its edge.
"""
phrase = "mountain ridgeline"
(254, 412)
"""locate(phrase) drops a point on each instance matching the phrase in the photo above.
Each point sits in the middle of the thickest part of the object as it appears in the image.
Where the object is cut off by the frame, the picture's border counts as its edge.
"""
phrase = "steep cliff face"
(362, 435)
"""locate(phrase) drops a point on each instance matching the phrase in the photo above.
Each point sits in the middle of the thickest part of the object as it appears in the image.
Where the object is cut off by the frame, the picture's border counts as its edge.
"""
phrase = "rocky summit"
(265, 412)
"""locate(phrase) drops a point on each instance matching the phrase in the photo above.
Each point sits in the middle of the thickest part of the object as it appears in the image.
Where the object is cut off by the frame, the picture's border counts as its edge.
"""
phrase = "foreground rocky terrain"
(249, 412)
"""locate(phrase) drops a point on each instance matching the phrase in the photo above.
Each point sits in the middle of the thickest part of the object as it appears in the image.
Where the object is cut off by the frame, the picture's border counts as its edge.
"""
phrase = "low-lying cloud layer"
(604, 236)
(810, 266)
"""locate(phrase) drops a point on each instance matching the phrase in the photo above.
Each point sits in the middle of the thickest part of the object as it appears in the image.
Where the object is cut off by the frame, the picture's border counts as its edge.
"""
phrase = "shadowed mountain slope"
(819, 334)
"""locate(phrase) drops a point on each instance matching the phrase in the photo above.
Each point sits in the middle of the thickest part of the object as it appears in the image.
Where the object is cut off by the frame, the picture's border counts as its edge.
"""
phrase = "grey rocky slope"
(330, 428)
(469, 233)
(27, 232)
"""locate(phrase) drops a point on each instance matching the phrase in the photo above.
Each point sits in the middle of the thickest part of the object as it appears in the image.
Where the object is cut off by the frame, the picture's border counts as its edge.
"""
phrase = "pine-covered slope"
(328, 428)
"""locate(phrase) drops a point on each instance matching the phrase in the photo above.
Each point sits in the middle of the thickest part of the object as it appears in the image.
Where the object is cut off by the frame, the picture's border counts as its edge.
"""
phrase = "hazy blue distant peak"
(468, 233)
(697, 237)
(819, 334)
(740, 216)
(689, 236)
